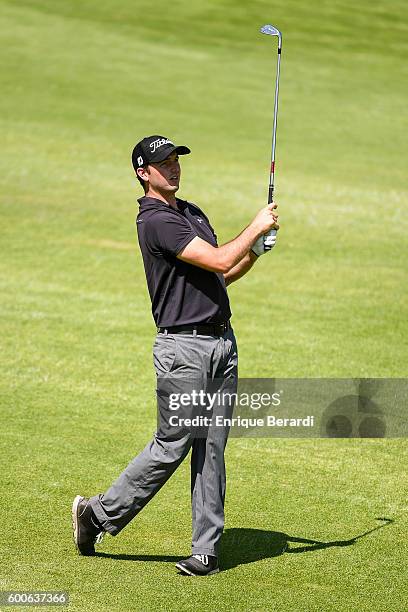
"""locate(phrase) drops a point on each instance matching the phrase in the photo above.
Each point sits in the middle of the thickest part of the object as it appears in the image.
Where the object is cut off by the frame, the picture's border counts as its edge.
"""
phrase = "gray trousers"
(212, 364)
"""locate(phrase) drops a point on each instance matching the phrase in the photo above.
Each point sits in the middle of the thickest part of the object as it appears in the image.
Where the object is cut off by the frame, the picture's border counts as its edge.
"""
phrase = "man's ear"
(143, 173)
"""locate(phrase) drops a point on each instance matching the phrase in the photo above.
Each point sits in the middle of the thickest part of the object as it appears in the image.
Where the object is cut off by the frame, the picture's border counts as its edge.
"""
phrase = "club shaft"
(275, 124)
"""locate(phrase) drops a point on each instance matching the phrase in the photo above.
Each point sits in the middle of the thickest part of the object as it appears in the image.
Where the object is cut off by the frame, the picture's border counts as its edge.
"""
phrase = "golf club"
(272, 31)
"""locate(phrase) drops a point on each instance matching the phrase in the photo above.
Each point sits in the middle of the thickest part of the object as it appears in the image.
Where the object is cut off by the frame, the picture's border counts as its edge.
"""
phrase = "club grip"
(268, 238)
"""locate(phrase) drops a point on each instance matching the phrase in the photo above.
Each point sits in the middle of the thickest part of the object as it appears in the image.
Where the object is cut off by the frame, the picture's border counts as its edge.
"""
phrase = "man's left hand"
(259, 248)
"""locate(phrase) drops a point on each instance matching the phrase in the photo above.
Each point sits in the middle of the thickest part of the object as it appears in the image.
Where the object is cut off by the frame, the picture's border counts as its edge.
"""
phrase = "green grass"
(81, 82)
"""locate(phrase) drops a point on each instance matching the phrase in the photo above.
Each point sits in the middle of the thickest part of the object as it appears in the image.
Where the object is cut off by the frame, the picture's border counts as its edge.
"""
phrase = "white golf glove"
(259, 246)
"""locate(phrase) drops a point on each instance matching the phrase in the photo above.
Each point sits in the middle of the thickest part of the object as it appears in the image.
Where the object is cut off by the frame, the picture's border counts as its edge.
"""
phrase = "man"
(187, 274)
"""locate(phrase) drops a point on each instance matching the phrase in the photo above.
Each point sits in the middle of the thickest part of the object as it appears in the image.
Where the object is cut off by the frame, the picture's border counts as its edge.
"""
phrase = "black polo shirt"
(181, 293)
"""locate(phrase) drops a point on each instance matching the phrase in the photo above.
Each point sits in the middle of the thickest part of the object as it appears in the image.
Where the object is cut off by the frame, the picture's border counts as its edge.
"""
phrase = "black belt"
(205, 329)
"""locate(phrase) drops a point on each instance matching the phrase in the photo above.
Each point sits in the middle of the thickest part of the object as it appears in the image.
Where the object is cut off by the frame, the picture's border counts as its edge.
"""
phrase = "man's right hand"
(265, 220)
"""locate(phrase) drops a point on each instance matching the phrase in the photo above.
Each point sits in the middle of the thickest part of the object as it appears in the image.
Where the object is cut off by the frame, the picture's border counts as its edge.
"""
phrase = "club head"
(271, 30)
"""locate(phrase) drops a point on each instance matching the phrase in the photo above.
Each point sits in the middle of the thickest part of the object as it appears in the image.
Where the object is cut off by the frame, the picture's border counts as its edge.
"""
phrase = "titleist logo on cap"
(156, 144)
(154, 149)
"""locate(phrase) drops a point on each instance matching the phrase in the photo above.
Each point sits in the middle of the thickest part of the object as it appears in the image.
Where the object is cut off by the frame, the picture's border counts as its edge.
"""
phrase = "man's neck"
(168, 198)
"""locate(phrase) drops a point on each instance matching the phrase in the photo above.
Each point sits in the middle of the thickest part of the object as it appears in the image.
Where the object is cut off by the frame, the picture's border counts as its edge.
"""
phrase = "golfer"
(187, 274)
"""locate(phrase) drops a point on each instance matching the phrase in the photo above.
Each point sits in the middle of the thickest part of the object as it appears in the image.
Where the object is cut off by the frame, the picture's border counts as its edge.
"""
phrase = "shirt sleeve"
(169, 233)
(198, 210)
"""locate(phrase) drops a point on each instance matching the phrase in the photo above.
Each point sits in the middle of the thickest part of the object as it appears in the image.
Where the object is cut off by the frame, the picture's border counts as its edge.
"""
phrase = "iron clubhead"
(271, 30)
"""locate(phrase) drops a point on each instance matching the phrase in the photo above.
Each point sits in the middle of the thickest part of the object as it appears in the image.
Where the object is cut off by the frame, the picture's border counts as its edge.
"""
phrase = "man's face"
(163, 177)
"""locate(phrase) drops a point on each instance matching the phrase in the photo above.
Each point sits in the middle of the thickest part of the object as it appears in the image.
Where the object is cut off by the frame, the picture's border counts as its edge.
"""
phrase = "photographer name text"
(245, 423)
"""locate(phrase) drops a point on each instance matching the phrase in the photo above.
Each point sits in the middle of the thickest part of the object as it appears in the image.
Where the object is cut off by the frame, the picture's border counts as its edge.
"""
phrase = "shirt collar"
(148, 202)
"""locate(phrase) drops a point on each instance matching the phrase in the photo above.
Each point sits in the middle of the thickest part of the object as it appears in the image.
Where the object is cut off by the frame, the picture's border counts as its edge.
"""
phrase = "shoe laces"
(202, 558)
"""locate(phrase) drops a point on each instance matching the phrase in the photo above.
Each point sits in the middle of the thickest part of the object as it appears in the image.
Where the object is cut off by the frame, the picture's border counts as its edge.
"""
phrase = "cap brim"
(183, 150)
(165, 152)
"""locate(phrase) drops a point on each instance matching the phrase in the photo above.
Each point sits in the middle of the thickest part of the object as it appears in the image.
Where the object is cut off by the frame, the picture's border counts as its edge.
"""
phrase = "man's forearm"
(224, 258)
(232, 253)
(241, 268)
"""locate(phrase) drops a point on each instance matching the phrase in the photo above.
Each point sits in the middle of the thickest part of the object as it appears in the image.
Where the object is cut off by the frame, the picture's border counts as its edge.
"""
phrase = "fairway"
(81, 82)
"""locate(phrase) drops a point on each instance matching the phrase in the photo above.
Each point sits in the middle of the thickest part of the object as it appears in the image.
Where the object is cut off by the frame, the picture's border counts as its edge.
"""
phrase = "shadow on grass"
(240, 546)
(243, 545)
(163, 558)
